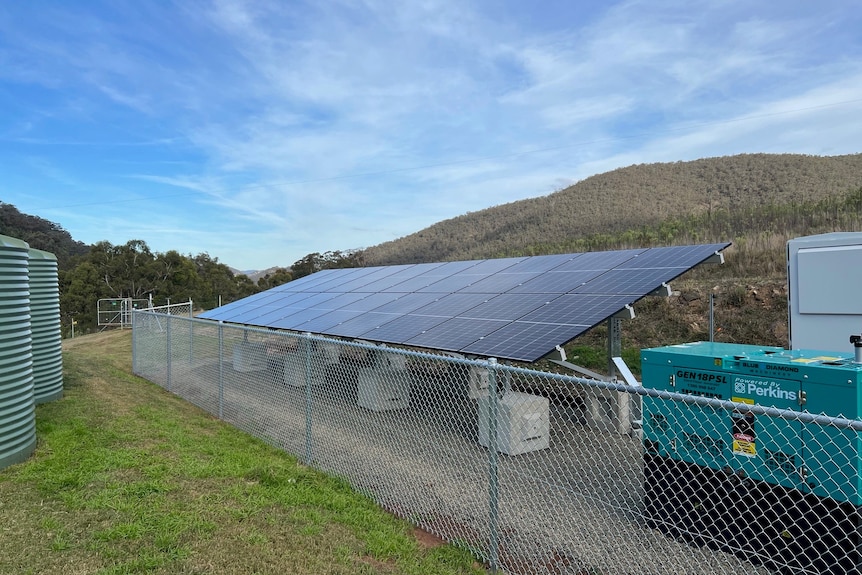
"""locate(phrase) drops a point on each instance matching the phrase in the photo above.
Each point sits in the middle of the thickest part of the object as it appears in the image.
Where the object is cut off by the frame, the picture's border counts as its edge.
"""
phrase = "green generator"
(773, 490)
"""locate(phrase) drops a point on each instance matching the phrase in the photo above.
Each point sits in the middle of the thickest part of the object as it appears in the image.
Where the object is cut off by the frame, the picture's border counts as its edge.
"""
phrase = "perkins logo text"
(765, 389)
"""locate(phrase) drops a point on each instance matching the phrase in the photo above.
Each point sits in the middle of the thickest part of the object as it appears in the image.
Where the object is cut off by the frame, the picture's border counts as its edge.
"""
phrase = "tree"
(218, 285)
(175, 278)
(329, 260)
(41, 235)
(278, 277)
(80, 289)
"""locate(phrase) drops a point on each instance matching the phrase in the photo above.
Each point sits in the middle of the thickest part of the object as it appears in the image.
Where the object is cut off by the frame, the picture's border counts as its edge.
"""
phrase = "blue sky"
(259, 132)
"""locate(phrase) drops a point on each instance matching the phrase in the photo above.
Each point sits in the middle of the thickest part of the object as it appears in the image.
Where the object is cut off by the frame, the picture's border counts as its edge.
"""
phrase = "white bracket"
(624, 371)
(716, 258)
(627, 312)
(662, 291)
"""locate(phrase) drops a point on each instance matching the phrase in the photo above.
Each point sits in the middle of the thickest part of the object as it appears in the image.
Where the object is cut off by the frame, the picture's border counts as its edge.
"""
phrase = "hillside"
(40, 234)
(757, 201)
(632, 198)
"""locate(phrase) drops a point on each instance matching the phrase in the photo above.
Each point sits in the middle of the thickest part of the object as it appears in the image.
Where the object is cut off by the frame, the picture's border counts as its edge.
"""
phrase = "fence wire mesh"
(586, 477)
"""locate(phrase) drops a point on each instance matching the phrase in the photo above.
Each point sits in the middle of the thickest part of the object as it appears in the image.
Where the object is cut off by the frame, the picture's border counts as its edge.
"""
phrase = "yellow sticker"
(744, 448)
(742, 400)
(813, 359)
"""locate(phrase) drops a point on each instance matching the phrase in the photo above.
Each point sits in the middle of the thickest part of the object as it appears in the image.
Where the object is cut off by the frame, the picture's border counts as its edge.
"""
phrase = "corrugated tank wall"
(17, 407)
(45, 327)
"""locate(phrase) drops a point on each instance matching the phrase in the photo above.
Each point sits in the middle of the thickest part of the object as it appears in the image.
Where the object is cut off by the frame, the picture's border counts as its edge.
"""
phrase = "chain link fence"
(582, 477)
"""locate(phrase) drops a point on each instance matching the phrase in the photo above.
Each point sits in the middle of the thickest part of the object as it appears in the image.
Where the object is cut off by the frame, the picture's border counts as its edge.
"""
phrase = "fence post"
(191, 334)
(308, 437)
(220, 370)
(712, 316)
(493, 468)
(134, 344)
(168, 339)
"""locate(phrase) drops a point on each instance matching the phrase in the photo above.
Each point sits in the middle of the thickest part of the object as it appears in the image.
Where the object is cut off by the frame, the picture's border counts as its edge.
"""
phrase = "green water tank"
(17, 406)
(45, 327)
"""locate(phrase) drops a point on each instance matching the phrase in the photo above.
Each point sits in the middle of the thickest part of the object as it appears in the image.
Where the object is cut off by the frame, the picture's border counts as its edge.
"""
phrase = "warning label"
(742, 430)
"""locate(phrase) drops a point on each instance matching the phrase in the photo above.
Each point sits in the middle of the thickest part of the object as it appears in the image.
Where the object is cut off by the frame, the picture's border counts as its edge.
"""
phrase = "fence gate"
(117, 312)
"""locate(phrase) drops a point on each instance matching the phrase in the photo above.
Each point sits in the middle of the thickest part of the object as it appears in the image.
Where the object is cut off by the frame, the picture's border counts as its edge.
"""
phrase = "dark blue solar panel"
(315, 280)
(371, 301)
(524, 340)
(373, 275)
(317, 299)
(578, 309)
(231, 308)
(451, 305)
(453, 283)
(555, 282)
(511, 308)
(295, 320)
(431, 276)
(361, 324)
(323, 323)
(413, 284)
(673, 257)
(508, 306)
(247, 311)
(402, 274)
(402, 328)
(499, 283)
(407, 303)
(455, 334)
(493, 266)
(599, 260)
(341, 300)
(634, 281)
(266, 316)
(540, 264)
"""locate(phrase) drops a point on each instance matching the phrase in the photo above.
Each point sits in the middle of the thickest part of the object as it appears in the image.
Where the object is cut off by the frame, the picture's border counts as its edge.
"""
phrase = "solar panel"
(631, 281)
(509, 308)
(455, 334)
(452, 305)
(361, 324)
(403, 328)
(326, 321)
(524, 340)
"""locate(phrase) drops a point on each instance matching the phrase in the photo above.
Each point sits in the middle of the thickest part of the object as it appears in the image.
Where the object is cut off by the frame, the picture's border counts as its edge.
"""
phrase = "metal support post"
(493, 469)
(308, 377)
(614, 344)
(168, 339)
(134, 344)
(220, 370)
(712, 317)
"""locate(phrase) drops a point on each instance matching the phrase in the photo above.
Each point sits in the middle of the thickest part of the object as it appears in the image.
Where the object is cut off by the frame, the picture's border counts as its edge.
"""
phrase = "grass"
(127, 478)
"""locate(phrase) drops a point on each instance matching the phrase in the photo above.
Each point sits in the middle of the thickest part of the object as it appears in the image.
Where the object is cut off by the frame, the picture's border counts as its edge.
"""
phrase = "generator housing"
(770, 489)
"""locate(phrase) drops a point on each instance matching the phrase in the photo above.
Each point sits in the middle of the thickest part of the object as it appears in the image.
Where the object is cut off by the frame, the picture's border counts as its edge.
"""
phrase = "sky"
(261, 131)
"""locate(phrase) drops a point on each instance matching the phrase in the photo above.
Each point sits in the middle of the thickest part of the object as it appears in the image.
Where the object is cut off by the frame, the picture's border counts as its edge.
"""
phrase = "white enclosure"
(824, 273)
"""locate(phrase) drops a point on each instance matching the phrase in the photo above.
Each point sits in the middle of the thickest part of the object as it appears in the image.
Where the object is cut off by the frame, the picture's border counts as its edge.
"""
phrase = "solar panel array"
(510, 308)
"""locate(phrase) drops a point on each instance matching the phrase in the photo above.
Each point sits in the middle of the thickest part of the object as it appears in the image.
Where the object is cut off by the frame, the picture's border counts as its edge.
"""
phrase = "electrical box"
(752, 482)
(824, 273)
(523, 422)
(329, 352)
(301, 368)
(249, 356)
(477, 381)
(390, 360)
(381, 389)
